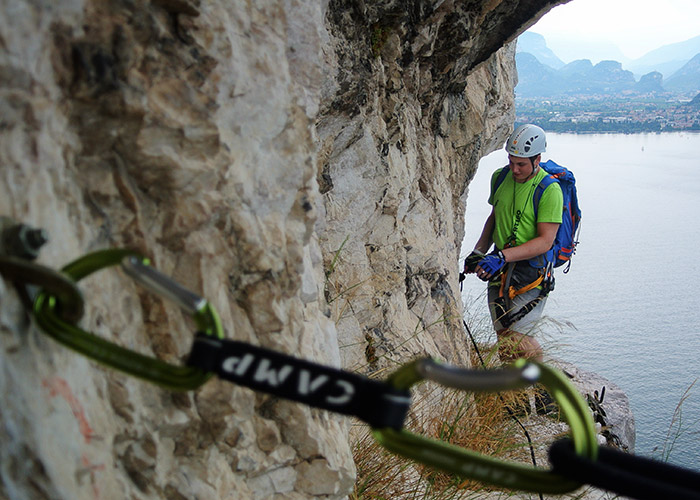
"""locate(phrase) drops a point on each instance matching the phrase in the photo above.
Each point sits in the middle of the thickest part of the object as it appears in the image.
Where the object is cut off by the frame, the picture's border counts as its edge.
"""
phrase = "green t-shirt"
(515, 212)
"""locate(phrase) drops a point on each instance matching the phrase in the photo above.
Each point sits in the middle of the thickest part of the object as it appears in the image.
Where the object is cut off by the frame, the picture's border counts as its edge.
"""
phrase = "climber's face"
(522, 168)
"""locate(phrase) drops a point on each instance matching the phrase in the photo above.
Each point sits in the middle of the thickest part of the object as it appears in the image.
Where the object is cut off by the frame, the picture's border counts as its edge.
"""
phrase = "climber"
(518, 279)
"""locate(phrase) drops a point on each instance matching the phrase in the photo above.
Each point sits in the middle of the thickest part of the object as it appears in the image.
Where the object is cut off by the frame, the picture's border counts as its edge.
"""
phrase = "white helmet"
(526, 141)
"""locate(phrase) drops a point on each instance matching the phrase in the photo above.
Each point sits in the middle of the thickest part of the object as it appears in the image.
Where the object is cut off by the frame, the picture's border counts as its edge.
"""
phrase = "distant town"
(662, 94)
(606, 113)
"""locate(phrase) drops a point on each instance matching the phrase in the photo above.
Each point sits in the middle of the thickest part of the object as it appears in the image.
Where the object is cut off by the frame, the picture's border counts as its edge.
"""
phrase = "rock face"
(610, 405)
(398, 141)
(302, 165)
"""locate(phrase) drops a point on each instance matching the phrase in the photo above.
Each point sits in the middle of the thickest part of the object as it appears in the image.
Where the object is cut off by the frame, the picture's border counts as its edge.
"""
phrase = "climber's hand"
(491, 265)
(471, 261)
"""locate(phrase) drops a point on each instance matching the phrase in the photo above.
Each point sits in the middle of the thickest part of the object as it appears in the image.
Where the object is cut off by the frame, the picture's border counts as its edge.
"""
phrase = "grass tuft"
(477, 422)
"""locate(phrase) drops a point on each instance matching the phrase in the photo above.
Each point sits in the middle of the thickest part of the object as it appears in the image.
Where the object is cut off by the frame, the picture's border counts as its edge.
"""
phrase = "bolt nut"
(23, 241)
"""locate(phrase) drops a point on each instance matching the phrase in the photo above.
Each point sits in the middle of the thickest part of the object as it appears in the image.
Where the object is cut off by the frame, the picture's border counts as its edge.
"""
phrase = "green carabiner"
(470, 464)
(24, 272)
(128, 361)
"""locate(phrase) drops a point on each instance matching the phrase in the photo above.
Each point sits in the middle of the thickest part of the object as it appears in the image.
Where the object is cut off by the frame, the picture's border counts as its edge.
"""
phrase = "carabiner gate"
(470, 464)
(106, 352)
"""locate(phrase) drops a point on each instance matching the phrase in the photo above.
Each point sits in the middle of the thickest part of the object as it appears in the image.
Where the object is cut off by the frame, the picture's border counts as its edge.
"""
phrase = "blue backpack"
(566, 239)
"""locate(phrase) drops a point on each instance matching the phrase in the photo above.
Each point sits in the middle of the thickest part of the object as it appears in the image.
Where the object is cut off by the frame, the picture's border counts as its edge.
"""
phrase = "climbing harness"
(473, 465)
(507, 292)
(46, 307)
(58, 306)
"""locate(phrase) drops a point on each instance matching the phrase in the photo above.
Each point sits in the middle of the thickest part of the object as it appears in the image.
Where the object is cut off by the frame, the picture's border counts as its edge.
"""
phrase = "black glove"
(471, 261)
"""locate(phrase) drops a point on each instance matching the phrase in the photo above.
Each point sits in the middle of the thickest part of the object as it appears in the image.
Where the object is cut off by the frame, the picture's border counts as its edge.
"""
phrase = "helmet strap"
(532, 162)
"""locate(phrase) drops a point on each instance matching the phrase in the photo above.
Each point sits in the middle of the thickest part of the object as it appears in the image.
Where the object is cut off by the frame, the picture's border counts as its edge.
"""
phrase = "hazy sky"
(634, 26)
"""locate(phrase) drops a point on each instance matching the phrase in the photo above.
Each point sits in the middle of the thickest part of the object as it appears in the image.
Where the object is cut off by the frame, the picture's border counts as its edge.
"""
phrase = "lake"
(629, 307)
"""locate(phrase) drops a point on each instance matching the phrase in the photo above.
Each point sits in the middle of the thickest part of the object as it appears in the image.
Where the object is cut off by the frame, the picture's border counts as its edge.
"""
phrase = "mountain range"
(541, 73)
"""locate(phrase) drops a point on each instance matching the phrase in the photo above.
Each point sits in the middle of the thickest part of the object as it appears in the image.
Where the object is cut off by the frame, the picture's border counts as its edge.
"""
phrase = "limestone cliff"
(302, 165)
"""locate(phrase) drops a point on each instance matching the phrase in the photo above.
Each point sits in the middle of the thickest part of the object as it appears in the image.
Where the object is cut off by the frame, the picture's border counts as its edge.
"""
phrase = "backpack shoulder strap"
(544, 184)
(499, 180)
